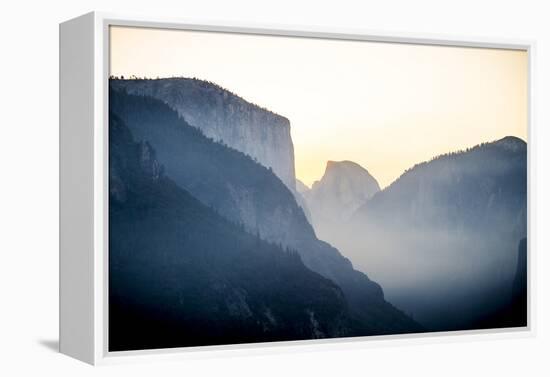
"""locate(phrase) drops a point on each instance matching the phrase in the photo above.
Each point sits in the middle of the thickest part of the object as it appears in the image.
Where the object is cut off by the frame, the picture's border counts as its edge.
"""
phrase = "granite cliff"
(226, 118)
(344, 188)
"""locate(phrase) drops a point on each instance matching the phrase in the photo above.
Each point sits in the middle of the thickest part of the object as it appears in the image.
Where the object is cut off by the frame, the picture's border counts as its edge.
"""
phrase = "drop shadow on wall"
(50, 344)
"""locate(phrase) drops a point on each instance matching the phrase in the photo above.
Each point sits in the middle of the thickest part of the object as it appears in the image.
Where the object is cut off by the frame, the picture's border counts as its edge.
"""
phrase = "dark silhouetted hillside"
(181, 275)
(248, 194)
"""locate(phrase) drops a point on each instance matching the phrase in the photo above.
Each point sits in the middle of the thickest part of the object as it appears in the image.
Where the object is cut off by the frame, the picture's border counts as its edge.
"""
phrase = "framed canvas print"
(225, 186)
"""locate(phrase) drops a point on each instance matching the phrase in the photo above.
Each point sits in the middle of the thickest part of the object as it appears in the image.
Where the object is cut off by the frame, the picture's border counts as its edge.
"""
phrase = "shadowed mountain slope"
(247, 193)
(442, 239)
(181, 275)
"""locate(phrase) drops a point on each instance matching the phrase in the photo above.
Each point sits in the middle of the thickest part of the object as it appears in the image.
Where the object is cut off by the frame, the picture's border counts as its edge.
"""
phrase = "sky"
(385, 106)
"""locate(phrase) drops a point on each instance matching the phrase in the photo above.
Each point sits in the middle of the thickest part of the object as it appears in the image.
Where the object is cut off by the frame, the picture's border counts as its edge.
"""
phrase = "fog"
(442, 241)
(433, 275)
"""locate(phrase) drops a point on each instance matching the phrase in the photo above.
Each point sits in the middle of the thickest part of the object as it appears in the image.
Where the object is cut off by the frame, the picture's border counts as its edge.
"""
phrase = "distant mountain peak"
(348, 170)
(344, 187)
(345, 164)
(511, 143)
(332, 163)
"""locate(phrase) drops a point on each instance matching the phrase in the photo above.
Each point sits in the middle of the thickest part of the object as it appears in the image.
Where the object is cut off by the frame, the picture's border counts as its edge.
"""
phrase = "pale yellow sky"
(385, 106)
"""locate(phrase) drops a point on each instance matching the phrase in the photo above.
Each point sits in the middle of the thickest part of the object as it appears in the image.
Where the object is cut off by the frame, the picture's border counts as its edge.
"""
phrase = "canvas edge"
(103, 20)
(76, 176)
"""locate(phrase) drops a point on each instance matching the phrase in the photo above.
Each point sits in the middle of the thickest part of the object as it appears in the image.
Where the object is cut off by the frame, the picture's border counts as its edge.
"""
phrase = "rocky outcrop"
(344, 188)
(226, 118)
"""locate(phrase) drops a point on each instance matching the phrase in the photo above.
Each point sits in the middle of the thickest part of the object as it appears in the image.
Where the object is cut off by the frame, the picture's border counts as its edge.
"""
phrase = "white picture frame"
(84, 73)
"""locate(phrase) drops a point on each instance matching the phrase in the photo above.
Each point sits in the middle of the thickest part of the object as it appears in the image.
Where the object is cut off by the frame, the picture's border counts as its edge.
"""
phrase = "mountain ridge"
(511, 143)
(246, 192)
(450, 226)
(225, 117)
(207, 281)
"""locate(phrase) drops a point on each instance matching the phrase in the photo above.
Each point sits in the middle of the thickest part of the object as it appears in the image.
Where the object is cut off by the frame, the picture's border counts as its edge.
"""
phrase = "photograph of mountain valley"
(271, 188)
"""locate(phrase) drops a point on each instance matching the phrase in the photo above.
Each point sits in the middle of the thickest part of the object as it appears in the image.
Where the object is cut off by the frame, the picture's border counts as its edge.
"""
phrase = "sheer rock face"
(226, 118)
(344, 188)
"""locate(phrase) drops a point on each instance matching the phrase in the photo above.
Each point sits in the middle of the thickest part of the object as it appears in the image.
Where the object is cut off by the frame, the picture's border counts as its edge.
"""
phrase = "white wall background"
(29, 186)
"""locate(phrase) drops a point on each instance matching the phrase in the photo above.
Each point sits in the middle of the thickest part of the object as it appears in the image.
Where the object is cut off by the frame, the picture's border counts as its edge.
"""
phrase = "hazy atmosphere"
(246, 172)
(384, 106)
